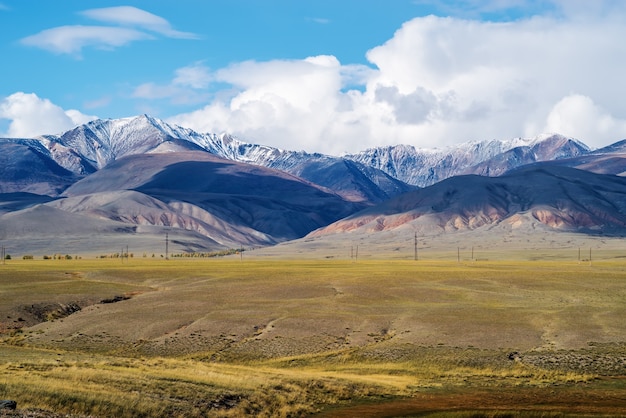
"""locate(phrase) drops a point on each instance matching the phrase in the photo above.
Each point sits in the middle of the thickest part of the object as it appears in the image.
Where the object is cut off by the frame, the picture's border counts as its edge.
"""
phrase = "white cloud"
(172, 93)
(30, 116)
(585, 9)
(436, 82)
(196, 76)
(133, 25)
(576, 115)
(188, 86)
(512, 9)
(132, 16)
(72, 39)
(285, 103)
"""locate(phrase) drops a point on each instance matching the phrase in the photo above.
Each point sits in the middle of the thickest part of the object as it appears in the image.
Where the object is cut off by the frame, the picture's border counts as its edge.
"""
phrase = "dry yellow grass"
(226, 337)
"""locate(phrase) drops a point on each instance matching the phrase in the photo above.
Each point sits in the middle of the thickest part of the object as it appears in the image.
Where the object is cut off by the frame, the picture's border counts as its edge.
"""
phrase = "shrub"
(28, 257)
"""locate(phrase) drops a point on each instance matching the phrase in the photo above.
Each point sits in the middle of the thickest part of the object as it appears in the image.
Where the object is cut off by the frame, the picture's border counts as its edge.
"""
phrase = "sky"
(319, 75)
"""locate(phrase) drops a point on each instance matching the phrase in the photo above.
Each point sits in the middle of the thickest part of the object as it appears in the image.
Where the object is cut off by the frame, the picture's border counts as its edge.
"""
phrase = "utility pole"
(415, 243)
(167, 244)
(458, 254)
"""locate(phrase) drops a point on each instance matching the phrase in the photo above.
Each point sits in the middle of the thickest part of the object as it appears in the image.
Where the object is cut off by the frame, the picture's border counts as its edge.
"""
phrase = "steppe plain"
(322, 327)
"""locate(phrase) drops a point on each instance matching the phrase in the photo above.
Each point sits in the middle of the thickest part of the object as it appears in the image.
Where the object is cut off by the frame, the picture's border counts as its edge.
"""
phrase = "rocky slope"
(561, 198)
(93, 146)
(209, 202)
(136, 179)
(371, 176)
(424, 167)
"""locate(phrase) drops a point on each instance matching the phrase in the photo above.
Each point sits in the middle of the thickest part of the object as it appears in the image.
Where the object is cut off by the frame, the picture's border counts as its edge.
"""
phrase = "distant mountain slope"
(546, 148)
(47, 229)
(28, 167)
(198, 191)
(11, 202)
(559, 197)
(133, 209)
(100, 142)
(138, 178)
(424, 167)
(607, 160)
(371, 176)
(354, 181)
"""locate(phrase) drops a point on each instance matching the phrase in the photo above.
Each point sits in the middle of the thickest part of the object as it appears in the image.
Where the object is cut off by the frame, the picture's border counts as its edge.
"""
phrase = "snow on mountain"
(424, 167)
(93, 146)
(100, 142)
(117, 174)
(370, 176)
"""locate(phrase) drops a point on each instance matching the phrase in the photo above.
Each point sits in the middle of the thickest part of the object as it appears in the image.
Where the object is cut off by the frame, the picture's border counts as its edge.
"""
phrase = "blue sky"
(317, 75)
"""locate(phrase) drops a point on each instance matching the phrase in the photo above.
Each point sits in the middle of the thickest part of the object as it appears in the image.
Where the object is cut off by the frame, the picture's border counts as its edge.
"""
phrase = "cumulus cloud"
(413, 108)
(285, 103)
(436, 82)
(30, 116)
(578, 115)
(132, 24)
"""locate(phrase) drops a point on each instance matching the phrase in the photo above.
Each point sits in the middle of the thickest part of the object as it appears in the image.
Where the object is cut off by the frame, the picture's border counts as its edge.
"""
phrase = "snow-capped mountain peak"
(94, 145)
(423, 167)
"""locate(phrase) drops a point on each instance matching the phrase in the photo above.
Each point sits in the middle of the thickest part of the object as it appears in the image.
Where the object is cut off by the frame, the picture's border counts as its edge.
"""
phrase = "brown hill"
(558, 197)
(206, 203)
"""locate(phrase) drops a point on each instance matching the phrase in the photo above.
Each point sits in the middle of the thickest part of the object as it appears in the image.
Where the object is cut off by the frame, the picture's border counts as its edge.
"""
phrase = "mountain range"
(135, 179)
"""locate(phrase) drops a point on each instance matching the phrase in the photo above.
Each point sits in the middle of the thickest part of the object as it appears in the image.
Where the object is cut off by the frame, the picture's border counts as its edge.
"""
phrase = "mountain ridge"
(373, 175)
(559, 197)
(424, 167)
(139, 178)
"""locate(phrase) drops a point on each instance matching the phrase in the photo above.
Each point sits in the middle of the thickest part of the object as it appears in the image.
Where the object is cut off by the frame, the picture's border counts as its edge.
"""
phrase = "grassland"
(230, 337)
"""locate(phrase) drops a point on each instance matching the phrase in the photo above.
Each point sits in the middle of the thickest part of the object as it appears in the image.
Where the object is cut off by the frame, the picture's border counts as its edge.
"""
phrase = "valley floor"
(243, 336)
